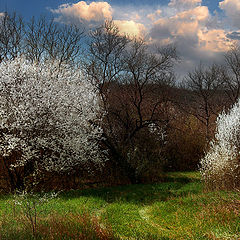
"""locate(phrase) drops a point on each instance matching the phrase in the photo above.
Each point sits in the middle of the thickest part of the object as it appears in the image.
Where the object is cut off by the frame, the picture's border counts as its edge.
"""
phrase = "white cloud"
(185, 24)
(96, 13)
(131, 28)
(184, 4)
(198, 34)
(155, 15)
(81, 11)
(214, 40)
(232, 10)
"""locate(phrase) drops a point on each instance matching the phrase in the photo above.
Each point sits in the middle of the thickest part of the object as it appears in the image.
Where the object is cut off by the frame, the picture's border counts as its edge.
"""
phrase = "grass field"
(178, 208)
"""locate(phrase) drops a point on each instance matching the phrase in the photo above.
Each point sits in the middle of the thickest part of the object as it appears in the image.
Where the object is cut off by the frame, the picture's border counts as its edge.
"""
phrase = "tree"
(39, 39)
(48, 40)
(220, 168)
(48, 119)
(206, 100)
(131, 79)
(11, 36)
(232, 74)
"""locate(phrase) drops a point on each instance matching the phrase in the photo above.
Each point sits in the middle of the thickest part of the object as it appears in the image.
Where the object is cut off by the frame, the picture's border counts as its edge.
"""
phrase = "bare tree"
(39, 40)
(147, 74)
(105, 63)
(207, 95)
(11, 36)
(131, 80)
(232, 75)
(49, 40)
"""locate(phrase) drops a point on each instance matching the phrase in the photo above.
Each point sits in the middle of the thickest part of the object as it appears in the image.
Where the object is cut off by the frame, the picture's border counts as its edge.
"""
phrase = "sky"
(202, 30)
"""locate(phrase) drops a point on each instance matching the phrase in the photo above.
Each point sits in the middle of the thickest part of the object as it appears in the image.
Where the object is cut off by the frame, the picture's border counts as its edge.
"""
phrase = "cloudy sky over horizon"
(202, 30)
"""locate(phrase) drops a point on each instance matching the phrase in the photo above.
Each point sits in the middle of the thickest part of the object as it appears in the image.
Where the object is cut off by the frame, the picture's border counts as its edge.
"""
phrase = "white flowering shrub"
(48, 115)
(220, 168)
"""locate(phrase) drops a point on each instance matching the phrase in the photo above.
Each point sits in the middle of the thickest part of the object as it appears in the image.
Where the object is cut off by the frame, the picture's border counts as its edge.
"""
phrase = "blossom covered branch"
(47, 115)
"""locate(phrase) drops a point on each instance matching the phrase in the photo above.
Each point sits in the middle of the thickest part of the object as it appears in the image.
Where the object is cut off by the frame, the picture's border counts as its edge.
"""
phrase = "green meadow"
(177, 208)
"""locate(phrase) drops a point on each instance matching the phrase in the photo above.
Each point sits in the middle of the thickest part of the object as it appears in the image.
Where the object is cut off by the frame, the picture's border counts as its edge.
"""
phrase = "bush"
(220, 168)
(48, 117)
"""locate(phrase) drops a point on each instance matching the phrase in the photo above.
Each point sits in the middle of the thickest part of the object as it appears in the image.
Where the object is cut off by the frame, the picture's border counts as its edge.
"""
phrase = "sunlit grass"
(175, 209)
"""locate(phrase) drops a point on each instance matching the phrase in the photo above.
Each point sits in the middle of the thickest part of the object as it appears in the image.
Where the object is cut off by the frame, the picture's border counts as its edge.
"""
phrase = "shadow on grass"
(173, 186)
(183, 180)
(5, 196)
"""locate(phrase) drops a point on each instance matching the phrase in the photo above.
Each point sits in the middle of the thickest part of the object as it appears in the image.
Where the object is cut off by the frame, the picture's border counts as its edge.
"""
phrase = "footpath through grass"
(175, 209)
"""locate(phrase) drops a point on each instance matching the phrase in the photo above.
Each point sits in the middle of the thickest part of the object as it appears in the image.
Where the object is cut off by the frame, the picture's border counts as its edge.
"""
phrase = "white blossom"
(48, 115)
(158, 131)
(220, 166)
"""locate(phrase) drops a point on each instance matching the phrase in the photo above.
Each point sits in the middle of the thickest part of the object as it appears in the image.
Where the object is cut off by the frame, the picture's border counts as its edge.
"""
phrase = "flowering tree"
(220, 168)
(48, 117)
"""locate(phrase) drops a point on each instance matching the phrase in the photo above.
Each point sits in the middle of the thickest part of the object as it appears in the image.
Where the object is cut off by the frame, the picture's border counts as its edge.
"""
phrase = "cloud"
(191, 29)
(232, 10)
(184, 4)
(156, 14)
(96, 13)
(131, 28)
(185, 24)
(234, 35)
(198, 34)
(82, 12)
(215, 40)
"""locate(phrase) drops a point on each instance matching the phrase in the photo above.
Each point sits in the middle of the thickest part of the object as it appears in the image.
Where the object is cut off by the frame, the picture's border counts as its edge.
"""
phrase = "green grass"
(175, 209)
